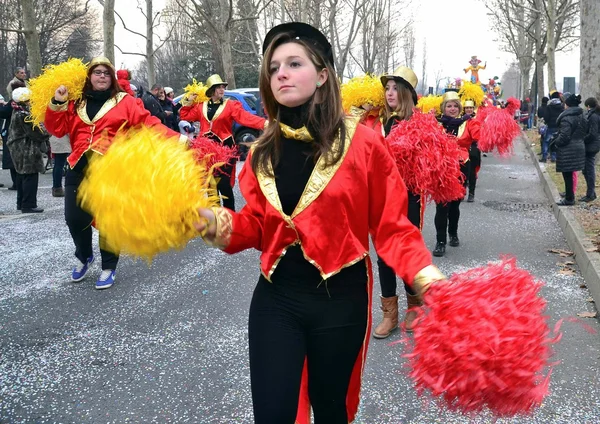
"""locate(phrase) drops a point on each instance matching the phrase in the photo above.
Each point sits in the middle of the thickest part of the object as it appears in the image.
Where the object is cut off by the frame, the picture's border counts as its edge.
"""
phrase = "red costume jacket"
(226, 114)
(341, 206)
(121, 111)
(468, 132)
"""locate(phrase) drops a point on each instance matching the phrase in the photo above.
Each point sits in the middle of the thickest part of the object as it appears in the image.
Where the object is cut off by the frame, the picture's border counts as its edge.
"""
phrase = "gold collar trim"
(106, 107)
(300, 134)
(218, 113)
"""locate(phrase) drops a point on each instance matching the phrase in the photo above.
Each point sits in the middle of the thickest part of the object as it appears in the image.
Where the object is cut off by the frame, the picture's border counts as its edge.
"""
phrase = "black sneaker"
(440, 249)
(32, 210)
(471, 198)
(565, 202)
(588, 198)
(454, 241)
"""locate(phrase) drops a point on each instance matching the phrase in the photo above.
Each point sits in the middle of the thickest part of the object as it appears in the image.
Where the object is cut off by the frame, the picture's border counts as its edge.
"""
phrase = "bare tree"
(423, 81)
(32, 38)
(409, 47)
(590, 59)
(438, 78)
(108, 23)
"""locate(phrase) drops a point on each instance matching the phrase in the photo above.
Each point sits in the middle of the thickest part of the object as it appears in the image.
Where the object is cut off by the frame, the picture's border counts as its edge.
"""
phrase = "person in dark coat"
(152, 104)
(592, 147)
(6, 111)
(553, 110)
(570, 147)
(26, 144)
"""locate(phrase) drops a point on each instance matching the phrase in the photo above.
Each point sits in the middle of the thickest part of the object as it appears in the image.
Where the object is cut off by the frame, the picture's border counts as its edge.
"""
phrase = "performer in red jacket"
(317, 184)
(91, 124)
(216, 117)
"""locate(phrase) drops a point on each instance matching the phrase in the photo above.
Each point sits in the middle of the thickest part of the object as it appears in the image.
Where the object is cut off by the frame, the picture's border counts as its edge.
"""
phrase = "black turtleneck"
(296, 162)
(212, 108)
(95, 100)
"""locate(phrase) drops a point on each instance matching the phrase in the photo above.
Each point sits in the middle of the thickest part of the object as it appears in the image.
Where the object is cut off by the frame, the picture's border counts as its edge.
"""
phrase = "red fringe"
(482, 342)
(211, 153)
(512, 105)
(498, 131)
(428, 158)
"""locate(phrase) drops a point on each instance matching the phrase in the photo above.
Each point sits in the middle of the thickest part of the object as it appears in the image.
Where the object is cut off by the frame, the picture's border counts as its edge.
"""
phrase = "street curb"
(588, 262)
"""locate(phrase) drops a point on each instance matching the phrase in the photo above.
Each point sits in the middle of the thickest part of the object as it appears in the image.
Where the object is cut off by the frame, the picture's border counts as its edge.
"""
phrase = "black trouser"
(57, 172)
(569, 194)
(27, 187)
(13, 176)
(475, 163)
(387, 276)
(290, 322)
(589, 173)
(448, 214)
(80, 224)
(224, 186)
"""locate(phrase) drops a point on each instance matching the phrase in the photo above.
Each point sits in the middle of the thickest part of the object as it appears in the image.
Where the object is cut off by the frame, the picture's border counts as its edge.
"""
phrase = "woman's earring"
(318, 84)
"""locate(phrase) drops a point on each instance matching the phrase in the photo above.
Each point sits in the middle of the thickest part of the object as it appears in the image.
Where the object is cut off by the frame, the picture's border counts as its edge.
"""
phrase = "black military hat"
(305, 32)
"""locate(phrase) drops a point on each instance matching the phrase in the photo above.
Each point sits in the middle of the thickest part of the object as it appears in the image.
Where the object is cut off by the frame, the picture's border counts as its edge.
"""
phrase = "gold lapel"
(461, 129)
(106, 107)
(320, 177)
(219, 111)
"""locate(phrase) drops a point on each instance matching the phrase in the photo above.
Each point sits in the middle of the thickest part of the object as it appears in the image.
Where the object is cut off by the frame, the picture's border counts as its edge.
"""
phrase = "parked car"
(251, 104)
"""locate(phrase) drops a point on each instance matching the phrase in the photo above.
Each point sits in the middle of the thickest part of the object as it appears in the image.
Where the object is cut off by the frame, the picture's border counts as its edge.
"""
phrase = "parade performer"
(474, 67)
(466, 131)
(400, 99)
(474, 154)
(91, 123)
(364, 97)
(317, 184)
(216, 117)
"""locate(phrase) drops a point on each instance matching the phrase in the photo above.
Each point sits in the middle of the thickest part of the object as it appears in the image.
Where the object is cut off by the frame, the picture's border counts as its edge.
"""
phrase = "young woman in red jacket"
(216, 117)
(317, 185)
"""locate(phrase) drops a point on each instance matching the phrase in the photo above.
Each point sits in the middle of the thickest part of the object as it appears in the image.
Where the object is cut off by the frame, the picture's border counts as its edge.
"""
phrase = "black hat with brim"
(305, 32)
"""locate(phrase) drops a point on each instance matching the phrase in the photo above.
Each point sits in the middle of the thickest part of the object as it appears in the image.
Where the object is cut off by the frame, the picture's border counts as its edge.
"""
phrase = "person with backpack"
(592, 147)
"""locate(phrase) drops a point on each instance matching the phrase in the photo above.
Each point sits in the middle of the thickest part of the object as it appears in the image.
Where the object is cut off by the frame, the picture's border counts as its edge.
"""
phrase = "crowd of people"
(316, 174)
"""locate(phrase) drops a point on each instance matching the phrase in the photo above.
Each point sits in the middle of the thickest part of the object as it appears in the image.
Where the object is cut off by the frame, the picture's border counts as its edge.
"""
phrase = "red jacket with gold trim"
(121, 111)
(229, 112)
(340, 207)
(468, 132)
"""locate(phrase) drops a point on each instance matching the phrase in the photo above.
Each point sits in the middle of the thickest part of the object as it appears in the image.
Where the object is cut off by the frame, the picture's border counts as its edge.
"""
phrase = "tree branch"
(131, 53)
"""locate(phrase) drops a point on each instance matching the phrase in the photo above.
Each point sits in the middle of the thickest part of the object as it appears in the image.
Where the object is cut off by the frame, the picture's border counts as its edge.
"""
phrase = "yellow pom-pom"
(145, 192)
(198, 89)
(430, 102)
(470, 91)
(71, 74)
(362, 90)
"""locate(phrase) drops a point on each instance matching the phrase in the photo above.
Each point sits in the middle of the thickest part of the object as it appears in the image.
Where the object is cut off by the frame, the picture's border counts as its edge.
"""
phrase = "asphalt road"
(168, 343)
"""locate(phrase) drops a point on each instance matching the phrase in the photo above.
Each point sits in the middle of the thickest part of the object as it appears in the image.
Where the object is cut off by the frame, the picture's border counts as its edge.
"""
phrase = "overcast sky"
(454, 30)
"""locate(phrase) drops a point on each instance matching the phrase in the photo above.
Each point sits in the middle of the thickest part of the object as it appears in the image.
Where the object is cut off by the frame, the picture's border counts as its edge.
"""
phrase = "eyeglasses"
(98, 72)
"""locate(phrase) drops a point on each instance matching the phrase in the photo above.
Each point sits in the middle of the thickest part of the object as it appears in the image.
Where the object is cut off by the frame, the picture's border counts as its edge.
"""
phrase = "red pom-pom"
(211, 153)
(512, 105)
(428, 158)
(498, 131)
(482, 342)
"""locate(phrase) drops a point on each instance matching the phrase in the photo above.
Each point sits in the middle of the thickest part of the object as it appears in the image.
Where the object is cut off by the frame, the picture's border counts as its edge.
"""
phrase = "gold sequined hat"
(100, 60)
(213, 80)
(405, 76)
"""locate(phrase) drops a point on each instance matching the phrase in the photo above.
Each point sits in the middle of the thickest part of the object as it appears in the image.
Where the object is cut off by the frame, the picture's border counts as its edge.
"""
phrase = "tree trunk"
(539, 64)
(227, 58)
(150, 44)
(32, 38)
(108, 21)
(589, 80)
(551, 45)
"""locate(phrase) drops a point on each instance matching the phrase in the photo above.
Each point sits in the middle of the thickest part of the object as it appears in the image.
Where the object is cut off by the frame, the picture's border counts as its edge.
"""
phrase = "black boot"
(454, 241)
(471, 198)
(440, 249)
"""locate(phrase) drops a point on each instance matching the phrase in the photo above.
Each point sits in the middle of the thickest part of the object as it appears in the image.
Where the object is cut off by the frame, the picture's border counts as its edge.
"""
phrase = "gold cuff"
(58, 108)
(183, 139)
(425, 277)
(186, 101)
(224, 221)
(266, 125)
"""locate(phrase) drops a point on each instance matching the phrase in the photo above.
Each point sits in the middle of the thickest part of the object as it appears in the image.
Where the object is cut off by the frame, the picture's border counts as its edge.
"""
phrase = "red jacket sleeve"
(247, 227)
(58, 118)
(191, 113)
(244, 117)
(396, 239)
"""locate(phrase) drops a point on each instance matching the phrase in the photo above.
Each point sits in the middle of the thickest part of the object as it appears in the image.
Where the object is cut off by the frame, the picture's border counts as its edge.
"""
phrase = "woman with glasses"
(91, 124)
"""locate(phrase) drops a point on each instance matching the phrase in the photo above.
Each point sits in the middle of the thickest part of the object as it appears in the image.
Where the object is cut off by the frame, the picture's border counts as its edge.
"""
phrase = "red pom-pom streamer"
(428, 158)
(512, 105)
(482, 342)
(498, 131)
(212, 153)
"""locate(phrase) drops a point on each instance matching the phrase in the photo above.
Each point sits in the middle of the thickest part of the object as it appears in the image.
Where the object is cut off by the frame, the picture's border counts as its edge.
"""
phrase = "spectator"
(151, 103)
(541, 110)
(570, 148)
(20, 77)
(553, 110)
(6, 114)
(26, 144)
(592, 147)
(167, 105)
(60, 147)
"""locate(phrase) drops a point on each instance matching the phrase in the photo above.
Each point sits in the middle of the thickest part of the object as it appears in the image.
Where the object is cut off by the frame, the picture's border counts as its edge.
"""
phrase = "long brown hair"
(325, 113)
(114, 83)
(404, 110)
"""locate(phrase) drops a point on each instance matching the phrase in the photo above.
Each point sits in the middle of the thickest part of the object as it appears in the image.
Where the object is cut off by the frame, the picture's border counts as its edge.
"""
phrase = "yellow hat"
(100, 60)
(450, 95)
(214, 80)
(469, 103)
(402, 73)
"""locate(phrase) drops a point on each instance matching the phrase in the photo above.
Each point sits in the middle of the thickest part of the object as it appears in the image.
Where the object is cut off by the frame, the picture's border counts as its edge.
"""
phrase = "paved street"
(168, 343)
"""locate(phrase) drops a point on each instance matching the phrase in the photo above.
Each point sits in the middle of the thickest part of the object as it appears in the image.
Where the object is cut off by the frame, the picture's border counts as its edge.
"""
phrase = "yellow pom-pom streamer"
(145, 192)
(362, 90)
(427, 103)
(71, 74)
(198, 89)
(470, 91)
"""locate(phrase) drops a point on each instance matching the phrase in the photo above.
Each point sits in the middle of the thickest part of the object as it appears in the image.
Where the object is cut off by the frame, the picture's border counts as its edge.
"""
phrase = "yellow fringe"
(71, 74)
(470, 91)
(362, 90)
(145, 193)
(198, 89)
(427, 103)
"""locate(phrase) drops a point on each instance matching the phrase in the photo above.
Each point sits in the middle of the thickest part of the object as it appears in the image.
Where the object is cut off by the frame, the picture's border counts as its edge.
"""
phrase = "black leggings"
(80, 224)
(448, 214)
(290, 322)
(387, 276)
(475, 162)
(224, 187)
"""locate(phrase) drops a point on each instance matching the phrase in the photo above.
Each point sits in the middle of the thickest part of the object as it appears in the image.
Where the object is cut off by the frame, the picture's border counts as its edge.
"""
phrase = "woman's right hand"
(207, 226)
(61, 94)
